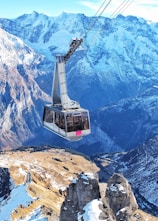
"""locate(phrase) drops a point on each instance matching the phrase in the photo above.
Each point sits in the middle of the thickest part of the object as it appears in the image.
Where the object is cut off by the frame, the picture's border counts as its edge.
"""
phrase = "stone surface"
(5, 183)
(118, 204)
(79, 193)
(120, 198)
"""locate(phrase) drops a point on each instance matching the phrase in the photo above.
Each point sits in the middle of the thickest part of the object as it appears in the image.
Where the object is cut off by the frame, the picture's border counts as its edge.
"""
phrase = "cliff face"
(83, 202)
(120, 198)
(49, 184)
(81, 191)
(33, 182)
(5, 183)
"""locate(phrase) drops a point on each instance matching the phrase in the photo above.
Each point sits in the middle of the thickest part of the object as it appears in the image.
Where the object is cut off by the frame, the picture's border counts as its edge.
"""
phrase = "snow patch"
(19, 196)
(35, 216)
(117, 187)
(92, 211)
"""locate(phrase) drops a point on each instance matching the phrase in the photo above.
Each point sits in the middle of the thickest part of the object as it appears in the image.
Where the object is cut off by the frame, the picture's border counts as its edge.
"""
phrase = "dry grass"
(143, 216)
(51, 172)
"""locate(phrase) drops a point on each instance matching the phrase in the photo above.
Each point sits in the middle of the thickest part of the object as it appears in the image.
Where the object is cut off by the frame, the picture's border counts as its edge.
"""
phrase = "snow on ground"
(18, 196)
(92, 211)
(117, 187)
(87, 176)
(35, 216)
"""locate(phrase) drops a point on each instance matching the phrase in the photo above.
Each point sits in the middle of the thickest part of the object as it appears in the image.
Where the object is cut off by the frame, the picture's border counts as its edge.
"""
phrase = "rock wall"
(120, 198)
(118, 204)
(80, 192)
(5, 183)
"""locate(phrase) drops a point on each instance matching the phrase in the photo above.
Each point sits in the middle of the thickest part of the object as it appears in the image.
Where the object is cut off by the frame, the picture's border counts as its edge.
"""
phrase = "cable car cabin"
(70, 124)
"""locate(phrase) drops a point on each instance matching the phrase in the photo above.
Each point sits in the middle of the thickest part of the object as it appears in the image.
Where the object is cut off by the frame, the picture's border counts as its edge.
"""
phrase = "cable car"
(70, 124)
(64, 116)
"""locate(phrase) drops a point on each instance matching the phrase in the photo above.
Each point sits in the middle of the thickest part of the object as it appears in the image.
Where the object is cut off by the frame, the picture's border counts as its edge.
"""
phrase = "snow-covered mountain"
(21, 96)
(118, 60)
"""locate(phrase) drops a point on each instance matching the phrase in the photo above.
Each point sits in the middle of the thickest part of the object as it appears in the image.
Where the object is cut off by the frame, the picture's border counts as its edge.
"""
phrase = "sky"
(12, 9)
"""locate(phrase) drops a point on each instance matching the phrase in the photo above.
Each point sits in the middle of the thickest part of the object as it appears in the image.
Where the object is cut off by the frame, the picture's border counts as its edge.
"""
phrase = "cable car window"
(48, 115)
(69, 121)
(74, 122)
(60, 120)
(85, 120)
(57, 118)
(78, 124)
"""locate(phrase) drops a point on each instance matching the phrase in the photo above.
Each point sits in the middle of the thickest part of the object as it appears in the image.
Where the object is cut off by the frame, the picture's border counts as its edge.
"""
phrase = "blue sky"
(13, 8)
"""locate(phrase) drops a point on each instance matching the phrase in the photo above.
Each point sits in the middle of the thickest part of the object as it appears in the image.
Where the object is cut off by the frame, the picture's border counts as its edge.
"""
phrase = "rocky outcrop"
(118, 204)
(120, 198)
(5, 183)
(81, 191)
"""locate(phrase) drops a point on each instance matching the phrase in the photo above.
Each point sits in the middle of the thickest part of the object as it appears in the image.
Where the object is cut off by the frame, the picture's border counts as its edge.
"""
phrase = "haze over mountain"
(118, 60)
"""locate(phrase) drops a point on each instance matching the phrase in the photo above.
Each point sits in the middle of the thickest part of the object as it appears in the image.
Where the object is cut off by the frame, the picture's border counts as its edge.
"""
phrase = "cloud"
(146, 9)
(147, 3)
(91, 5)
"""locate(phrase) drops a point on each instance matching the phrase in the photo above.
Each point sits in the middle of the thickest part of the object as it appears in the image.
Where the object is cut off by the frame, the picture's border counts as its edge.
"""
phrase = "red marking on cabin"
(78, 133)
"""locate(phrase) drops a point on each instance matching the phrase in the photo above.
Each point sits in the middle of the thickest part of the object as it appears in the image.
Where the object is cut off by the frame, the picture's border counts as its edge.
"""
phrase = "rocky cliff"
(120, 198)
(48, 184)
(81, 191)
(5, 183)
(33, 181)
(83, 201)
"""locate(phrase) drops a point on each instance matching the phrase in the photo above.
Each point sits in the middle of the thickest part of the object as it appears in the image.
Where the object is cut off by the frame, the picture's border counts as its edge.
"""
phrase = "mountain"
(33, 181)
(129, 122)
(43, 183)
(21, 96)
(116, 65)
(140, 167)
(114, 75)
(121, 60)
(83, 200)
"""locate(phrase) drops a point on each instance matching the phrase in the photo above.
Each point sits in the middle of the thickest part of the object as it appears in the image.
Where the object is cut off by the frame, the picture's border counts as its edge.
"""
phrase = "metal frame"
(59, 88)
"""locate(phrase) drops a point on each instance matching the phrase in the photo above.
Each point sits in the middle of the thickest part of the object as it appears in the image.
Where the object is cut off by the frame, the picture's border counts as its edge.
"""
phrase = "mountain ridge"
(37, 179)
(119, 63)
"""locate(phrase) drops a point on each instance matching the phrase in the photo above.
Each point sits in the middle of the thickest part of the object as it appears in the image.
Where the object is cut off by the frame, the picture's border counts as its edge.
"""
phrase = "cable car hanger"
(64, 116)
